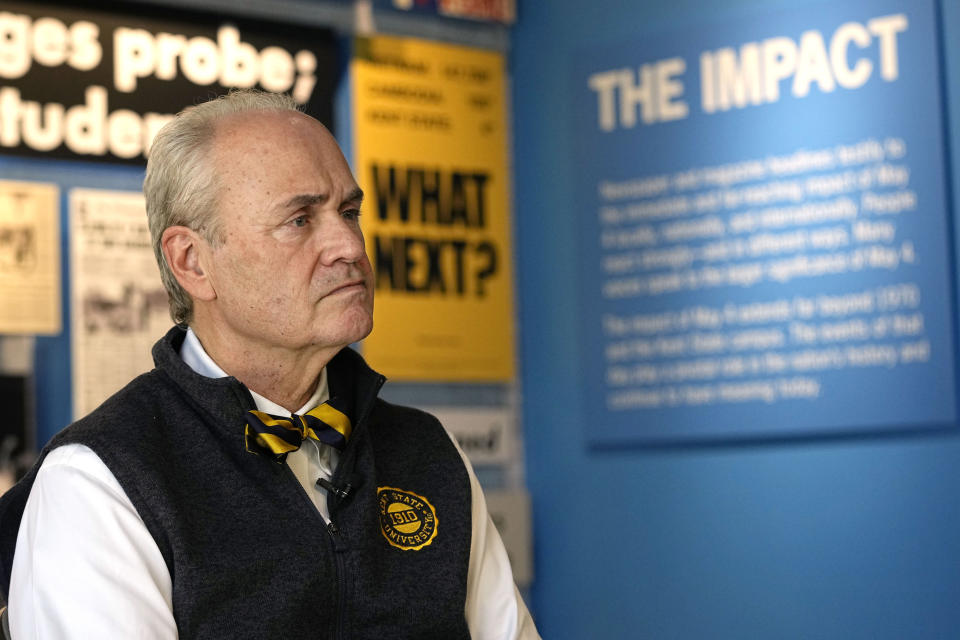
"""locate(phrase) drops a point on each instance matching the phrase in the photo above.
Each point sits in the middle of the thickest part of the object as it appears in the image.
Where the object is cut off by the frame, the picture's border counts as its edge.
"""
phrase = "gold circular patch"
(408, 521)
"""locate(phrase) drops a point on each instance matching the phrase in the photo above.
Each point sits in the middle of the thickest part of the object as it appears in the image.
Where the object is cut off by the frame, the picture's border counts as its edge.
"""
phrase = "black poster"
(97, 84)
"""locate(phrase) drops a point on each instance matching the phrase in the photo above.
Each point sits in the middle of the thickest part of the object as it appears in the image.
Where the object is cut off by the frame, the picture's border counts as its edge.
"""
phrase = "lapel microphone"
(340, 492)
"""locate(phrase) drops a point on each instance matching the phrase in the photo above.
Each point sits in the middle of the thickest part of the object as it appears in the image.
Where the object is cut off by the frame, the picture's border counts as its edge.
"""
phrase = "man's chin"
(358, 328)
(365, 332)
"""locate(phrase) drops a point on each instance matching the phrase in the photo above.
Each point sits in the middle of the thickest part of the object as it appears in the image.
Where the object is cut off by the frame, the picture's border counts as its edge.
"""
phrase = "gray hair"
(181, 185)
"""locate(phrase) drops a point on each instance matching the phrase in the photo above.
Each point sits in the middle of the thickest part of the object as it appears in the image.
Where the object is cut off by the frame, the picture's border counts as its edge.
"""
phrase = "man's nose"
(340, 239)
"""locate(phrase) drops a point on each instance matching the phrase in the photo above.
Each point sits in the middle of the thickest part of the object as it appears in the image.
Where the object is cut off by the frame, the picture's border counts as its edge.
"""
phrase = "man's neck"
(287, 377)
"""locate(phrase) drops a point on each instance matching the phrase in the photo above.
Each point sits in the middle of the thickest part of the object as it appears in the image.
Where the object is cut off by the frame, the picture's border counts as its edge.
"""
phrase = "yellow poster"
(430, 153)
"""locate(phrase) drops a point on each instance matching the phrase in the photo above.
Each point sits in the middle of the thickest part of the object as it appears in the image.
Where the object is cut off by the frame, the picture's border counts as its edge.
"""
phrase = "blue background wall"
(839, 538)
(818, 538)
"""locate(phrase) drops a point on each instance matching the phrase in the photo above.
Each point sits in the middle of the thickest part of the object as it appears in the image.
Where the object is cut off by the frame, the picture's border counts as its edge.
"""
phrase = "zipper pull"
(336, 536)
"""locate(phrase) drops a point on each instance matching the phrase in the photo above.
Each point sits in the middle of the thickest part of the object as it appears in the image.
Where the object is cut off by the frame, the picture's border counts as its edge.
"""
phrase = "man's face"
(292, 271)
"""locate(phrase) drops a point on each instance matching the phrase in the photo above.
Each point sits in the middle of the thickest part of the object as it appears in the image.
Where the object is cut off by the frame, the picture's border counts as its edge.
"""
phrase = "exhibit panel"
(764, 227)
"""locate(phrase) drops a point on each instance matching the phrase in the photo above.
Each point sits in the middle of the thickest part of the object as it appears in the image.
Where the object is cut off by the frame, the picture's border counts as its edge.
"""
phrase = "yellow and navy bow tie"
(276, 436)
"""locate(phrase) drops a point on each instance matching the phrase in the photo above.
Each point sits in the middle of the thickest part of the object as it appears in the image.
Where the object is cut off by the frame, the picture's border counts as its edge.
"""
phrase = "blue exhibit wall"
(843, 537)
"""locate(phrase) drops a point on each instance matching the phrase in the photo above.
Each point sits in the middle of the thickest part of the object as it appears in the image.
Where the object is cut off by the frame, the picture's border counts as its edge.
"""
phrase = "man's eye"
(352, 214)
(299, 221)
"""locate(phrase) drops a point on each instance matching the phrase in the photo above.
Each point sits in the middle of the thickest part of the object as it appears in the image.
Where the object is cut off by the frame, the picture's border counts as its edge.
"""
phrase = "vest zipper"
(339, 546)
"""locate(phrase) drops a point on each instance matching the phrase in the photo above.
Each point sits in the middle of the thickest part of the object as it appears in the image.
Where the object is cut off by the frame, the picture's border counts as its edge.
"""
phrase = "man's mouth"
(347, 287)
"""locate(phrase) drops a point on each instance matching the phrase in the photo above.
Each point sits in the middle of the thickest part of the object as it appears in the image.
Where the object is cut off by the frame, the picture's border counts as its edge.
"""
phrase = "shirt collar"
(195, 357)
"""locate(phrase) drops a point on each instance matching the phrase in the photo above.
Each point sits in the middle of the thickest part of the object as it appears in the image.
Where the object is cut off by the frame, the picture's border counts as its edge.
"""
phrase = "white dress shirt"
(85, 565)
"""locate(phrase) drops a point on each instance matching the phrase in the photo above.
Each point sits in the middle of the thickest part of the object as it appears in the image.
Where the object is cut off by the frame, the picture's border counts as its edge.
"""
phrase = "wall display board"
(493, 10)
(764, 230)
(486, 434)
(430, 151)
(29, 257)
(118, 304)
(97, 85)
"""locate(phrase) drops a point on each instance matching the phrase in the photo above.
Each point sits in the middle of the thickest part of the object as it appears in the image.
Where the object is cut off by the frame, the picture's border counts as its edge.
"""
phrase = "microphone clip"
(340, 492)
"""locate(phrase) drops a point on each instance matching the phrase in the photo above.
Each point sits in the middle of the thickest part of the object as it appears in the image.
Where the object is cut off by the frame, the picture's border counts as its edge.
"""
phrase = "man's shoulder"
(107, 431)
(399, 426)
(134, 404)
(144, 391)
(397, 415)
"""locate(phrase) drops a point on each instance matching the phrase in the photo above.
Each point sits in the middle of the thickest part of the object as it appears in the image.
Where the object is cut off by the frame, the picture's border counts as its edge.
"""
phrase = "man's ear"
(183, 248)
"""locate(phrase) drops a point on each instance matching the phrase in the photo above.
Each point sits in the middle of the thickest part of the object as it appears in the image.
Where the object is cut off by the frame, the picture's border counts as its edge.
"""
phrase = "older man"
(253, 485)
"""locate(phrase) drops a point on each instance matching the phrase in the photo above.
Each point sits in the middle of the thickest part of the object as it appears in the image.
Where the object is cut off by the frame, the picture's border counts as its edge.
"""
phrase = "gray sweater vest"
(248, 554)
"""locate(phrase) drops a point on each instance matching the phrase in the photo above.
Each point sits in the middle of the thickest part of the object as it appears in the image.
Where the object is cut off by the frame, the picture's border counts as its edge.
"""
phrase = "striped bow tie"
(276, 436)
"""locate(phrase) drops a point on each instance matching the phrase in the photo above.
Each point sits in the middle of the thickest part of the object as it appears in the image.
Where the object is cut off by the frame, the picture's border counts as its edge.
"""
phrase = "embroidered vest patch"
(408, 521)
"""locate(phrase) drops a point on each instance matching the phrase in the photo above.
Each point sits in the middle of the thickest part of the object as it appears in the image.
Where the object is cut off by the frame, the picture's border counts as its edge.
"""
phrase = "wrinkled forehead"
(265, 141)
(263, 159)
(264, 131)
